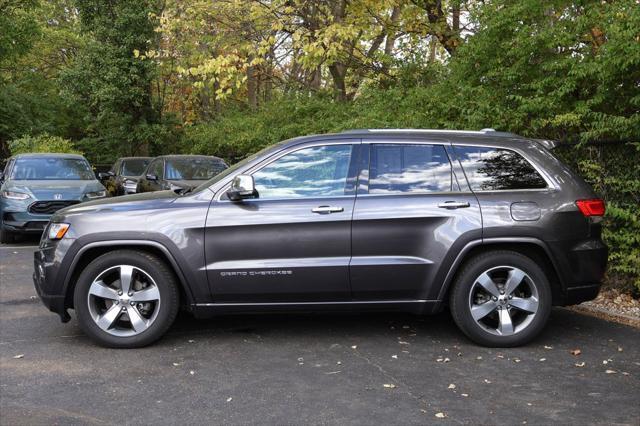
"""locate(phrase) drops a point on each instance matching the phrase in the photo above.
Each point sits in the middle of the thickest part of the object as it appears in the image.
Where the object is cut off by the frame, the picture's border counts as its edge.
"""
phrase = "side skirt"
(205, 310)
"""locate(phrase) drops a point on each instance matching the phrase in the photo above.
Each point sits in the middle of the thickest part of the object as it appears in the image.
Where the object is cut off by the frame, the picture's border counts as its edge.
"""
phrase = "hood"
(186, 183)
(54, 189)
(145, 200)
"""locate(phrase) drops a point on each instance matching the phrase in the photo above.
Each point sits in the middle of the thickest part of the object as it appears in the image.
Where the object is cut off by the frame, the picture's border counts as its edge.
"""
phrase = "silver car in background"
(35, 186)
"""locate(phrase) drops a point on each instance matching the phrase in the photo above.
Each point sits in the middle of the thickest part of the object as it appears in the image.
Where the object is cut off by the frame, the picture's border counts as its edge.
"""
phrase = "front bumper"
(23, 221)
(48, 278)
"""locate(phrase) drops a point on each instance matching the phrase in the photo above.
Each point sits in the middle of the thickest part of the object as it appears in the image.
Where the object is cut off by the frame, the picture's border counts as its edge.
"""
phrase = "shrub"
(42, 143)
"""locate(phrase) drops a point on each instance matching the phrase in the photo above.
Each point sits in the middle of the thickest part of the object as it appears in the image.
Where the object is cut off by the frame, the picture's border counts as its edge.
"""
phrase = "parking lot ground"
(295, 369)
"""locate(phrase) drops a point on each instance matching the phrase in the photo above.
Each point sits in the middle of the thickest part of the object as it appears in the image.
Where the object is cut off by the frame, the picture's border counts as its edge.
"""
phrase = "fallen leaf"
(464, 394)
(229, 399)
(300, 359)
(478, 357)
(451, 386)
(333, 372)
(548, 347)
(402, 342)
(339, 362)
(441, 415)
(394, 356)
(354, 347)
(18, 356)
(446, 360)
(192, 372)
(191, 341)
(406, 327)
(542, 359)
(175, 364)
(500, 356)
(624, 373)
(605, 362)
(516, 360)
(487, 381)
(611, 371)
(619, 348)
(575, 352)
(389, 385)
(579, 364)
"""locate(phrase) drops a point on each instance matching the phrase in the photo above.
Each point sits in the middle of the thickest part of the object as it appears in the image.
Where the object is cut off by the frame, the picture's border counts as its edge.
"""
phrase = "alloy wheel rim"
(123, 300)
(503, 300)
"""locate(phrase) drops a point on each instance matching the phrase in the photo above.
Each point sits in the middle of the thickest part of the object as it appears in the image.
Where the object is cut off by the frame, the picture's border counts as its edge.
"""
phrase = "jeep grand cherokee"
(491, 224)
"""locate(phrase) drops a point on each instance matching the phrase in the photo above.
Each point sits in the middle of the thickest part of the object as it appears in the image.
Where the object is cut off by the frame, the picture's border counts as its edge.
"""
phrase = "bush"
(42, 143)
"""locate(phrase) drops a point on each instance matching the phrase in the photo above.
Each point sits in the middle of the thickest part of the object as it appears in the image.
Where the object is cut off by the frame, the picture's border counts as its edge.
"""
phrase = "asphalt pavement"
(308, 369)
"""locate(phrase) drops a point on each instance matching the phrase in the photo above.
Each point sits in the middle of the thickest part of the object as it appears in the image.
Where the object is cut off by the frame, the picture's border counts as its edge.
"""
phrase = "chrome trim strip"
(351, 302)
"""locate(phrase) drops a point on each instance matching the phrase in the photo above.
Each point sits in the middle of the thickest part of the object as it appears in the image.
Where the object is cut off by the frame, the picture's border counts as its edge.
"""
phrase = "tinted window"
(410, 168)
(156, 169)
(134, 167)
(493, 169)
(52, 169)
(318, 171)
(193, 168)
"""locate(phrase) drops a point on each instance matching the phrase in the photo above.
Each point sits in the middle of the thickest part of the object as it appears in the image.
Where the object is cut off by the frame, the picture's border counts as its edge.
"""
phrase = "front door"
(410, 217)
(293, 242)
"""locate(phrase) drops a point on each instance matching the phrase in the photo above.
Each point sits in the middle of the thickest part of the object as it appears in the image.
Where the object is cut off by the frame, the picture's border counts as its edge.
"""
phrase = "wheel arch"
(531, 247)
(91, 251)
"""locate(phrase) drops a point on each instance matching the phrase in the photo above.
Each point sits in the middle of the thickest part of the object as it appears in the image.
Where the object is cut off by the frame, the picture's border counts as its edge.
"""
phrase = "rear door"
(412, 213)
(293, 242)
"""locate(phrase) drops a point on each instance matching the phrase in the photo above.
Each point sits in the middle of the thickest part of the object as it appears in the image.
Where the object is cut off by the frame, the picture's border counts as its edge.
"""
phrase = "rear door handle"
(453, 204)
(327, 209)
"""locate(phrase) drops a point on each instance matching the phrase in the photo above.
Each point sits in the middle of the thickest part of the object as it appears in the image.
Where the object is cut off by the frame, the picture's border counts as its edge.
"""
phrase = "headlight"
(12, 195)
(97, 194)
(57, 230)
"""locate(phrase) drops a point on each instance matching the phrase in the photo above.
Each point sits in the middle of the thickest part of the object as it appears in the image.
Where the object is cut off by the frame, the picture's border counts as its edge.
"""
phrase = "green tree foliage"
(42, 143)
(110, 86)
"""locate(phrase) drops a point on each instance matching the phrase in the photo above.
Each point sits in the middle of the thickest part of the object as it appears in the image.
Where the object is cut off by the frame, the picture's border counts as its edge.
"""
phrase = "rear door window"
(405, 168)
(491, 169)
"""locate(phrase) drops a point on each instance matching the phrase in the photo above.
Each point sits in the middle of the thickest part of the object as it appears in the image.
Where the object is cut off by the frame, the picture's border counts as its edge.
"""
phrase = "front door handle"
(327, 209)
(453, 204)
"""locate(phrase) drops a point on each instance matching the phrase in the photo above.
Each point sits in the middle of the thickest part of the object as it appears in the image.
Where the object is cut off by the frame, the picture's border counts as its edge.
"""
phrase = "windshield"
(52, 168)
(134, 167)
(193, 168)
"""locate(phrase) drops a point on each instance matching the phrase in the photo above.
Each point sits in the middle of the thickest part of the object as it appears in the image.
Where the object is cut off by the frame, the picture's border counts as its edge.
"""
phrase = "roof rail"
(470, 132)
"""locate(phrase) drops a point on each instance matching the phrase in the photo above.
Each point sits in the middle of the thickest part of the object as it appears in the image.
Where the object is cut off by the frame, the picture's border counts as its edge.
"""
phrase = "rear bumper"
(581, 267)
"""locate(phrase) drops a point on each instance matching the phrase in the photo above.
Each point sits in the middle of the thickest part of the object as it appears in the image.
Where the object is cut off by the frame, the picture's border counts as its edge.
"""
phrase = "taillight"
(592, 207)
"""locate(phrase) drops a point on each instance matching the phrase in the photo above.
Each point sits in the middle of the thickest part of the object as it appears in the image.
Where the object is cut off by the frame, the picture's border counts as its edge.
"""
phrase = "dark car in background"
(34, 186)
(490, 224)
(122, 178)
(179, 172)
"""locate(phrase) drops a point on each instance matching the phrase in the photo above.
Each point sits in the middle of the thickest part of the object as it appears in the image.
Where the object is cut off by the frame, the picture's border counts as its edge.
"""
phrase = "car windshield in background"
(192, 168)
(134, 167)
(52, 169)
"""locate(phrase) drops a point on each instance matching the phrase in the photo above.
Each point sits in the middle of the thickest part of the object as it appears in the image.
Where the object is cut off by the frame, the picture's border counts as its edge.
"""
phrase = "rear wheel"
(126, 299)
(501, 299)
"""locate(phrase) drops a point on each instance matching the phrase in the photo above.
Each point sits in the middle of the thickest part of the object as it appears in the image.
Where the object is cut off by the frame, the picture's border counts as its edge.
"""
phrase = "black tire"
(164, 279)
(463, 285)
(6, 236)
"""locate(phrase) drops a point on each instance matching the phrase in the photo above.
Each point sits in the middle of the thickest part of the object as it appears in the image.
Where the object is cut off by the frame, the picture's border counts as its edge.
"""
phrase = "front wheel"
(501, 299)
(126, 299)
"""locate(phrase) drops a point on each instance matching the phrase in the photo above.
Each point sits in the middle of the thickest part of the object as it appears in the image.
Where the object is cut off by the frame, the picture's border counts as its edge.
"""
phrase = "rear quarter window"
(491, 169)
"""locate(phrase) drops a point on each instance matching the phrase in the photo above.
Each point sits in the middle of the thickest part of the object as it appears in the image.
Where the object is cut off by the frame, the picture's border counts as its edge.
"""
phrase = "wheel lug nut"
(132, 303)
(124, 308)
(510, 297)
(117, 302)
(130, 293)
(119, 293)
(495, 299)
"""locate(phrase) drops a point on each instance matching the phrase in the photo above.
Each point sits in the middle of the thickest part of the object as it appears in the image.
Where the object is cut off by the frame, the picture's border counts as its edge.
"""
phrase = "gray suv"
(490, 224)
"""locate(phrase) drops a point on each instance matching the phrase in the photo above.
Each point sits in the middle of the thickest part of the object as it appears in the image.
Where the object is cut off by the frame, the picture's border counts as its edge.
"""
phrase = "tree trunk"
(338, 72)
(252, 87)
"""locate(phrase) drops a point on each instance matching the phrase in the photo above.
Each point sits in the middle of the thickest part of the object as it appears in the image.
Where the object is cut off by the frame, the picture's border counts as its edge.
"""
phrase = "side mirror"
(152, 177)
(242, 186)
(105, 175)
